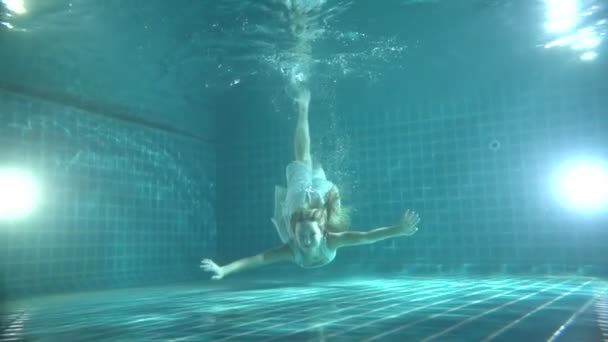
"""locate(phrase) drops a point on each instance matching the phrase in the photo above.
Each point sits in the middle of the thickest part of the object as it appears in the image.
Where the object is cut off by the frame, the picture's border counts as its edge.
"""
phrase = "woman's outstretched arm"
(281, 253)
(406, 227)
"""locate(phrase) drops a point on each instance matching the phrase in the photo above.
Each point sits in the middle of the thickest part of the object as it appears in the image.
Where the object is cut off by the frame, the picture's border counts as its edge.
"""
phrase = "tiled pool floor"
(354, 309)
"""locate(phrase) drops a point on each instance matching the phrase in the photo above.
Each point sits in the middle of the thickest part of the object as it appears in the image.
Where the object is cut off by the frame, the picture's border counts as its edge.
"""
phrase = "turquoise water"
(155, 133)
(361, 309)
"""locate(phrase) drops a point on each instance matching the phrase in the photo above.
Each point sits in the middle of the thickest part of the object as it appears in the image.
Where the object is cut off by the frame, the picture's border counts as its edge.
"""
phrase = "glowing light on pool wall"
(19, 193)
(582, 185)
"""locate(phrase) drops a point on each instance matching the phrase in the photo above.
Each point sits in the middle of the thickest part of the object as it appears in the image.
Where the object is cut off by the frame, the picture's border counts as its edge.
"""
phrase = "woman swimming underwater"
(308, 214)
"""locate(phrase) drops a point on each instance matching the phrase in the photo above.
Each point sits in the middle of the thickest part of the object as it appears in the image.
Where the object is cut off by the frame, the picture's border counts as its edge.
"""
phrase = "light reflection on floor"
(374, 309)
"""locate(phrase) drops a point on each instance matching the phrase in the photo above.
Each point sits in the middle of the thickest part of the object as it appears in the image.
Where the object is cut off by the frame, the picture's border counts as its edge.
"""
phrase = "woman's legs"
(302, 133)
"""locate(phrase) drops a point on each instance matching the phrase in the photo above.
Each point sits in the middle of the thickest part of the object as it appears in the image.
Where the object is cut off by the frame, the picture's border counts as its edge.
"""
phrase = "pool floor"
(347, 309)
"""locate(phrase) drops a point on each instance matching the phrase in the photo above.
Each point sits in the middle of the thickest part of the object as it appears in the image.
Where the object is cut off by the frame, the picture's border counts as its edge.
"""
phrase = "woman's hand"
(209, 266)
(408, 223)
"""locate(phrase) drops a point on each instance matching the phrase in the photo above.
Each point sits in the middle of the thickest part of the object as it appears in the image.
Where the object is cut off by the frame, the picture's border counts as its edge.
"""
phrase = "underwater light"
(19, 193)
(587, 56)
(583, 185)
(15, 6)
(562, 15)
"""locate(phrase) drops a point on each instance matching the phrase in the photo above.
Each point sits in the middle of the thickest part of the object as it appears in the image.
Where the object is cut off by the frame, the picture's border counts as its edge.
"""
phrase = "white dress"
(304, 185)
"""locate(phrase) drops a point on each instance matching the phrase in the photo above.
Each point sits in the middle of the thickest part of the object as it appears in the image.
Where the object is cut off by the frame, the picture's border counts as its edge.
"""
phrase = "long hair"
(332, 217)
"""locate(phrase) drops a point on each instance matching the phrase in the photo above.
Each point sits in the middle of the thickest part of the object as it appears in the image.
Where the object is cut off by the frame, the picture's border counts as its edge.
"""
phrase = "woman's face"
(308, 235)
